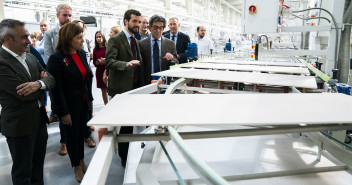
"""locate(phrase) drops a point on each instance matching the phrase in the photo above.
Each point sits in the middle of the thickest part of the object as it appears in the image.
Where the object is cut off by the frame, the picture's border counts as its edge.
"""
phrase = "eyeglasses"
(156, 28)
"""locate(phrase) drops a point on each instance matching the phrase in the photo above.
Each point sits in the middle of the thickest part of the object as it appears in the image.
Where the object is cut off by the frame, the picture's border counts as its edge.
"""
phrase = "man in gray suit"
(23, 83)
(64, 15)
(158, 53)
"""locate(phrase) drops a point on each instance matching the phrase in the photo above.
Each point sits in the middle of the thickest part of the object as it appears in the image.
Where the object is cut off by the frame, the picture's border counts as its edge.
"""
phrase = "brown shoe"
(83, 166)
(79, 173)
(53, 119)
(63, 149)
(90, 142)
(92, 128)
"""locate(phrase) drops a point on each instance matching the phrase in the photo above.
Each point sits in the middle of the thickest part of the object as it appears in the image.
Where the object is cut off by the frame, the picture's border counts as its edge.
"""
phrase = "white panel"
(224, 109)
(255, 62)
(266, 18)
(244, 77)
(236, 67)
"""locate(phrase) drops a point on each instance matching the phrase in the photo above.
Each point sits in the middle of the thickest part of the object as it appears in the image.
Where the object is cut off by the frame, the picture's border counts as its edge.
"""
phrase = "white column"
(168, 6)
(226, 12)
(2, 11)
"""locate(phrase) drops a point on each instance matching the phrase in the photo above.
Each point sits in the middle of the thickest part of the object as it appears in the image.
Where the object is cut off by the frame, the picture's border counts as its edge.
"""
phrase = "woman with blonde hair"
(113, 31)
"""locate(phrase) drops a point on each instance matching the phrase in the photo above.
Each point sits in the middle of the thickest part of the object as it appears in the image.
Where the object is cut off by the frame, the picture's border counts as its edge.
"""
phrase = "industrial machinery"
(229, 119)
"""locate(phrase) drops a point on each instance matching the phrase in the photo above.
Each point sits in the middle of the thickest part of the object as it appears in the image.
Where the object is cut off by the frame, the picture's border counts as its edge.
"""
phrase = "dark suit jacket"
(20, 114)
(70, 88)
(167, 46)
(118, 53)
(181, 45)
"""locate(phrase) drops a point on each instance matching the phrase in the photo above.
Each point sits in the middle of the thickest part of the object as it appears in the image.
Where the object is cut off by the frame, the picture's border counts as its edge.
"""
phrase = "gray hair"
(157, 18)
(7, 27)
(174, 18)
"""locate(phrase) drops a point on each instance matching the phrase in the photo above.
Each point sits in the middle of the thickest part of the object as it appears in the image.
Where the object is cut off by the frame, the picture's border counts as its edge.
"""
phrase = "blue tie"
(156, 57)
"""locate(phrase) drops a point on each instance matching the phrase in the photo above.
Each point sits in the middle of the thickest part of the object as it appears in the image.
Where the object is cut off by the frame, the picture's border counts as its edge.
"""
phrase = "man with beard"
(204, 44)
(124, 63)
(64, 14)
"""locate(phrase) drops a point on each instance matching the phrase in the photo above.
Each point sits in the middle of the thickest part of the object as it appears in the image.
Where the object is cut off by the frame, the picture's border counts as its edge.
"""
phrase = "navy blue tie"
(156, 57)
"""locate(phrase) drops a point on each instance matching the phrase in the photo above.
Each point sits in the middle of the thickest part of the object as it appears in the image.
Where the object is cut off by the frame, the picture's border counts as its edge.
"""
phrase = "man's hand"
(105, 77)
(168, 56)
(133, 63)
(28, 88)
(67, 120)
(43, 74)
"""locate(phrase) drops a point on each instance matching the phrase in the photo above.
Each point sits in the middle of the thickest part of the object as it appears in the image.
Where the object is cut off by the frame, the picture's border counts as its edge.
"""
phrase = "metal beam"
(232, 133)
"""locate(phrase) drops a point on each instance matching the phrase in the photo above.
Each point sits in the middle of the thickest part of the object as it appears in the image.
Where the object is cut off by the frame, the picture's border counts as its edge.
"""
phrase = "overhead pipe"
(345, 46)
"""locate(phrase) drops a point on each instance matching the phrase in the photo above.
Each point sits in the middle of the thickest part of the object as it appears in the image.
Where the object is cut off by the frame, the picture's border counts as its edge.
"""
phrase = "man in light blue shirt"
(39, 45)
(158, 53)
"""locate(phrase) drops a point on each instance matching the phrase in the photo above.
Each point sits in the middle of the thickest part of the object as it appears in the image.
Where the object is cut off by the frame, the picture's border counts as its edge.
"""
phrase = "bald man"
(39, 45)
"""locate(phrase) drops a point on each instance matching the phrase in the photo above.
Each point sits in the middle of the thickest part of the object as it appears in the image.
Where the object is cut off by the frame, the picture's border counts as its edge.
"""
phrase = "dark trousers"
(28, 153)
(54, 114)
(74, 135)
(123, 147)
(88, 131)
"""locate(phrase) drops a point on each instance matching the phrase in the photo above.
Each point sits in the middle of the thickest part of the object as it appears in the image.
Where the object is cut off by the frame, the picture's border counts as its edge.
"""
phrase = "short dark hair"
(66, 34)
(7, 27)
(128, 14)
(157, 18)
(198, 28)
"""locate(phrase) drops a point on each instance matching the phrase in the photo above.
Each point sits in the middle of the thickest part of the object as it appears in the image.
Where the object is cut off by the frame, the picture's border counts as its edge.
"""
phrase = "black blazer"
(70, 88)
(181, 45)
(20, 114)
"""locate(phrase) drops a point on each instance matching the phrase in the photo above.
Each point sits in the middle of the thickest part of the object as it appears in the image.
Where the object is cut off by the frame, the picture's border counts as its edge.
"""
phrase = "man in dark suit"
(181, 39)
(23, 83)
(124, 62)
(158, 53)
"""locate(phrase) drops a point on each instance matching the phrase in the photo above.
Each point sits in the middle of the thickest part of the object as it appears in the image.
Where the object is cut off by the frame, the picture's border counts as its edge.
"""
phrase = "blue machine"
(343, 88)
(192, 51)
(228, 46)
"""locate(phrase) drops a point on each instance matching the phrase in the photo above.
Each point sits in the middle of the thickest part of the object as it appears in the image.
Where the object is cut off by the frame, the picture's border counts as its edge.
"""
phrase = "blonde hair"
(34, 35)
(62, 6)
(116, 29)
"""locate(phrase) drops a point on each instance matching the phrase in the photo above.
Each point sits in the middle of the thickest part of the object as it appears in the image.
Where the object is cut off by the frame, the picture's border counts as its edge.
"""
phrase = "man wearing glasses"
(158, 53)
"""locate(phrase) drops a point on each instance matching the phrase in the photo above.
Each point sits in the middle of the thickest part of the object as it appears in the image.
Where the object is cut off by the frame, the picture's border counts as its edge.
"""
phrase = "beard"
(132, 29)
(201, 36)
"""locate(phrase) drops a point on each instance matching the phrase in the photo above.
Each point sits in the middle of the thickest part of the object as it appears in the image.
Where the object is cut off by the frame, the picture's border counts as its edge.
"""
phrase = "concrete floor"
(57, 169)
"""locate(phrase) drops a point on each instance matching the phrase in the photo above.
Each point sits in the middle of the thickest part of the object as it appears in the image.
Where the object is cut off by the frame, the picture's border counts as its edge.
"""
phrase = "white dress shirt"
(22, 60)
(204, 45)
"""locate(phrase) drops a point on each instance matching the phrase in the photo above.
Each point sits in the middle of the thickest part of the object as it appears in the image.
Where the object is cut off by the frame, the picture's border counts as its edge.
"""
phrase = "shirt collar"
(155, 39)
(19, 57)
(173, 34)
(128, 35)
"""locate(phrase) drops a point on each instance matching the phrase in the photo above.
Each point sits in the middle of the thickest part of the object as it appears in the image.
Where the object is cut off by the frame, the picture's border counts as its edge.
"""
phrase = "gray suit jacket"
(20, 114)
(118, 53)
(167, 46)
(50, 41)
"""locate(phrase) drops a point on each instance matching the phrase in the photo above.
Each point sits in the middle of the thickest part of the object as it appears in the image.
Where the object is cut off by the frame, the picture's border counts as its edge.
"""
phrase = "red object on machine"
(252, 9)
(102, 132)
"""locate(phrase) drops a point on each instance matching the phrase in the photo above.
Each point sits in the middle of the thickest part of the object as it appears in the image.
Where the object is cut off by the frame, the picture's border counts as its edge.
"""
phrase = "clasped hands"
(28, 88)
